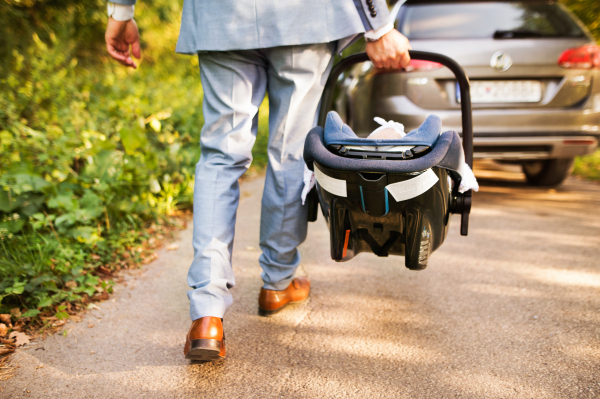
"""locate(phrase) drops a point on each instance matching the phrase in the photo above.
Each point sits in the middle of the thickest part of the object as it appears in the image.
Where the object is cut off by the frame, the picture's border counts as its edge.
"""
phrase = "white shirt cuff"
(377, 34)
(120, 12)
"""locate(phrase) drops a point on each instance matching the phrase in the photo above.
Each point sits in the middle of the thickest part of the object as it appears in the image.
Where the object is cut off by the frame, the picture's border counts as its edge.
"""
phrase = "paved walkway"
(512, 311)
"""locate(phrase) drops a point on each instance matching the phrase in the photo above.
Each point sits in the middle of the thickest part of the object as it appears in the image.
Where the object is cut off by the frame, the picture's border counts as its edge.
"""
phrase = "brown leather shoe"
(206, 340)
(271, 301)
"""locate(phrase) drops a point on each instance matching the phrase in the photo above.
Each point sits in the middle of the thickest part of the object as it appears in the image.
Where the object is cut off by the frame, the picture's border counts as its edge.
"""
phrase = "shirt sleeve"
(124, 2)
(120, 12)
(376, 34)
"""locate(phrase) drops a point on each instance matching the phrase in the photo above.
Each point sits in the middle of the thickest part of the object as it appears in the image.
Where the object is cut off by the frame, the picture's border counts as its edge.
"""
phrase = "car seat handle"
(465, 105)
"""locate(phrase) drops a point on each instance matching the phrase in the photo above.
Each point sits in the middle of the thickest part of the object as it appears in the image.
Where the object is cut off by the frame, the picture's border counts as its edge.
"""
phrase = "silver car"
(534, 72)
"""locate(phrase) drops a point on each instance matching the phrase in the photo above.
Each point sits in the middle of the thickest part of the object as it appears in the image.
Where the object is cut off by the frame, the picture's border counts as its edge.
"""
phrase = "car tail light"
(419, 65)
(413, 66)
(586, 57)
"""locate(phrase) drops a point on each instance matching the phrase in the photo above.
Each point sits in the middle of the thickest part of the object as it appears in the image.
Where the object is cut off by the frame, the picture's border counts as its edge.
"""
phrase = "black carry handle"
(463, 201)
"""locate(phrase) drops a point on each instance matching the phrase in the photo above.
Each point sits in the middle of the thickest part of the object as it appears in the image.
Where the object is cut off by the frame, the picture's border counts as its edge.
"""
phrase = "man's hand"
(389, 52)
(119, 36)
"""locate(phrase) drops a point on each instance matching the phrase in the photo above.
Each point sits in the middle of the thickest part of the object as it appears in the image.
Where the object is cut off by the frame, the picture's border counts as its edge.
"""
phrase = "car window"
(499, 20)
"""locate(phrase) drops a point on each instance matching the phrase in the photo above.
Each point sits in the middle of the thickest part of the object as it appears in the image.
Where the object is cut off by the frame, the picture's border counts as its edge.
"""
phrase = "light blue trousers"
(235, 83)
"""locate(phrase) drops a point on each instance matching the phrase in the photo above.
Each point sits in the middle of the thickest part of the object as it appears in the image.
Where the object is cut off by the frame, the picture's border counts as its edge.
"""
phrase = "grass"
(47, 274)
(588, 166)
(56, 282)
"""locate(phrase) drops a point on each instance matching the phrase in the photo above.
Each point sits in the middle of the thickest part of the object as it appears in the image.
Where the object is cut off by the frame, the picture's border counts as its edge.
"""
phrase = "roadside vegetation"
(94, 157)
(588, 166)
(97, 161)
(588, 11)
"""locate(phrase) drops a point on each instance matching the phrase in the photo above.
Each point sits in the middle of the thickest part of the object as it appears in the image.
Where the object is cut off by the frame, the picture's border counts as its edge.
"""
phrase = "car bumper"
(510, 134)
(525, 148)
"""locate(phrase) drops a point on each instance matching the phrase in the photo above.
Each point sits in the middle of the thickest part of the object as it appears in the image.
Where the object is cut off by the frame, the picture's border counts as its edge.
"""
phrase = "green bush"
(589, 13)
(588, 166)
(90, 153)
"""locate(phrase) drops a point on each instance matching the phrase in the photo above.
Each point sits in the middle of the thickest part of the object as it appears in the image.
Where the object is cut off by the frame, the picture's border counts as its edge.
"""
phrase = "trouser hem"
(279, 286)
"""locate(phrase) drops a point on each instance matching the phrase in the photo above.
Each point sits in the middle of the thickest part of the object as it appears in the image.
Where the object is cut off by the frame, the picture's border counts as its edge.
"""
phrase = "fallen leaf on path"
(5, 318)
(6, 350)
(7, 341)
(250, 248)
(20, 338)
(3, 330)
(100, 297)
(41, 366)
(90, 325)
(150, 258)
(15, 312)
(18, 326)
(105, 271)
(172, 247)
(71, 284)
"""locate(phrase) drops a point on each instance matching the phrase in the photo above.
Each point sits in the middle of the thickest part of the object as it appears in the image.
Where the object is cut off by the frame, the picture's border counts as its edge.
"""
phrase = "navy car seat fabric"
(337, 132)
(447, 153)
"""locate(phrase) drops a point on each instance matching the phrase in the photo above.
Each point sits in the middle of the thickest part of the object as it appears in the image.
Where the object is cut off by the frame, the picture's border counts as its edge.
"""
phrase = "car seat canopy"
(446, 148)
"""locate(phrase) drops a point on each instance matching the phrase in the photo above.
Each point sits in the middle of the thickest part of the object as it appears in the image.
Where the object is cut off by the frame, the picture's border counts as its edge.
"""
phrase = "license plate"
(504, 91)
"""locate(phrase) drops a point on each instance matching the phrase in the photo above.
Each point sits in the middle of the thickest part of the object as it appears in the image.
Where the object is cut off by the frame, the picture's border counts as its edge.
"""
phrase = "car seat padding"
(338, 133)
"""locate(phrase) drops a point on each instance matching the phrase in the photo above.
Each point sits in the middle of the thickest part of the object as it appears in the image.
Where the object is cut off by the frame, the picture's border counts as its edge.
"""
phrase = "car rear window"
(498, 20)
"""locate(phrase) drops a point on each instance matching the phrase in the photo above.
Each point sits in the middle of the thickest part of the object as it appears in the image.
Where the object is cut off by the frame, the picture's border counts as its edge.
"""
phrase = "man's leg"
(234, 86)
(296, 77)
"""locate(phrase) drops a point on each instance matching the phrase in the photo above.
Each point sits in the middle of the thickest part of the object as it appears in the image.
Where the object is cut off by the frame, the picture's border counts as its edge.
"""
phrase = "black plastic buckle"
(462, 204)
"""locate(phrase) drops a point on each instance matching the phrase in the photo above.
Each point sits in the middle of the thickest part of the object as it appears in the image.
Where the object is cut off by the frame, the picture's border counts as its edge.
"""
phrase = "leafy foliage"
(90, 153)
(588, 166)
(589, 13)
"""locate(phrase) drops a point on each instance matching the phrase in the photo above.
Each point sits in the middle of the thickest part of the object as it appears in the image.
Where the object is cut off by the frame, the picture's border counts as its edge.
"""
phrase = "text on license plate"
(504, 91)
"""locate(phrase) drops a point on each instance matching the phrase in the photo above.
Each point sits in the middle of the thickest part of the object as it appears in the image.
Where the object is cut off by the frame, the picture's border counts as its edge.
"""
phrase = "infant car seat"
(389, 197)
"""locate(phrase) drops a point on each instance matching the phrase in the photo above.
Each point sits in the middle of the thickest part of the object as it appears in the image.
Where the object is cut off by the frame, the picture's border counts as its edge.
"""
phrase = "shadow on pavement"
(510, 311)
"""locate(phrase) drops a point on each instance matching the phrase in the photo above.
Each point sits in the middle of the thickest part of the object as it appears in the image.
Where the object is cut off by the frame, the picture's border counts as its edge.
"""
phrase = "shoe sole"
(268, 313)
(204, 350)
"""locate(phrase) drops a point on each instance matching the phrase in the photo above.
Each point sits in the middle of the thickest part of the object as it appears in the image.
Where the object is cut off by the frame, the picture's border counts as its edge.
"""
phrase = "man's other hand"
(119, 36)
(390, 51)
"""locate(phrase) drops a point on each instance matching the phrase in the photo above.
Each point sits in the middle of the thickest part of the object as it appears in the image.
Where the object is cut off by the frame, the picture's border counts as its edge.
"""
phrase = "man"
(248, 48)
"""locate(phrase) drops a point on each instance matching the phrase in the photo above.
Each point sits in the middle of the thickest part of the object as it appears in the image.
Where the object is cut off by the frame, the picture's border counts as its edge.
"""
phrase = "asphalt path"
(511, 311)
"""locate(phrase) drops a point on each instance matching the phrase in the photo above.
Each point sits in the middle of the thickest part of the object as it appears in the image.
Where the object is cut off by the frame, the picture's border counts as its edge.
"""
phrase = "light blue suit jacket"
(219, 25)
